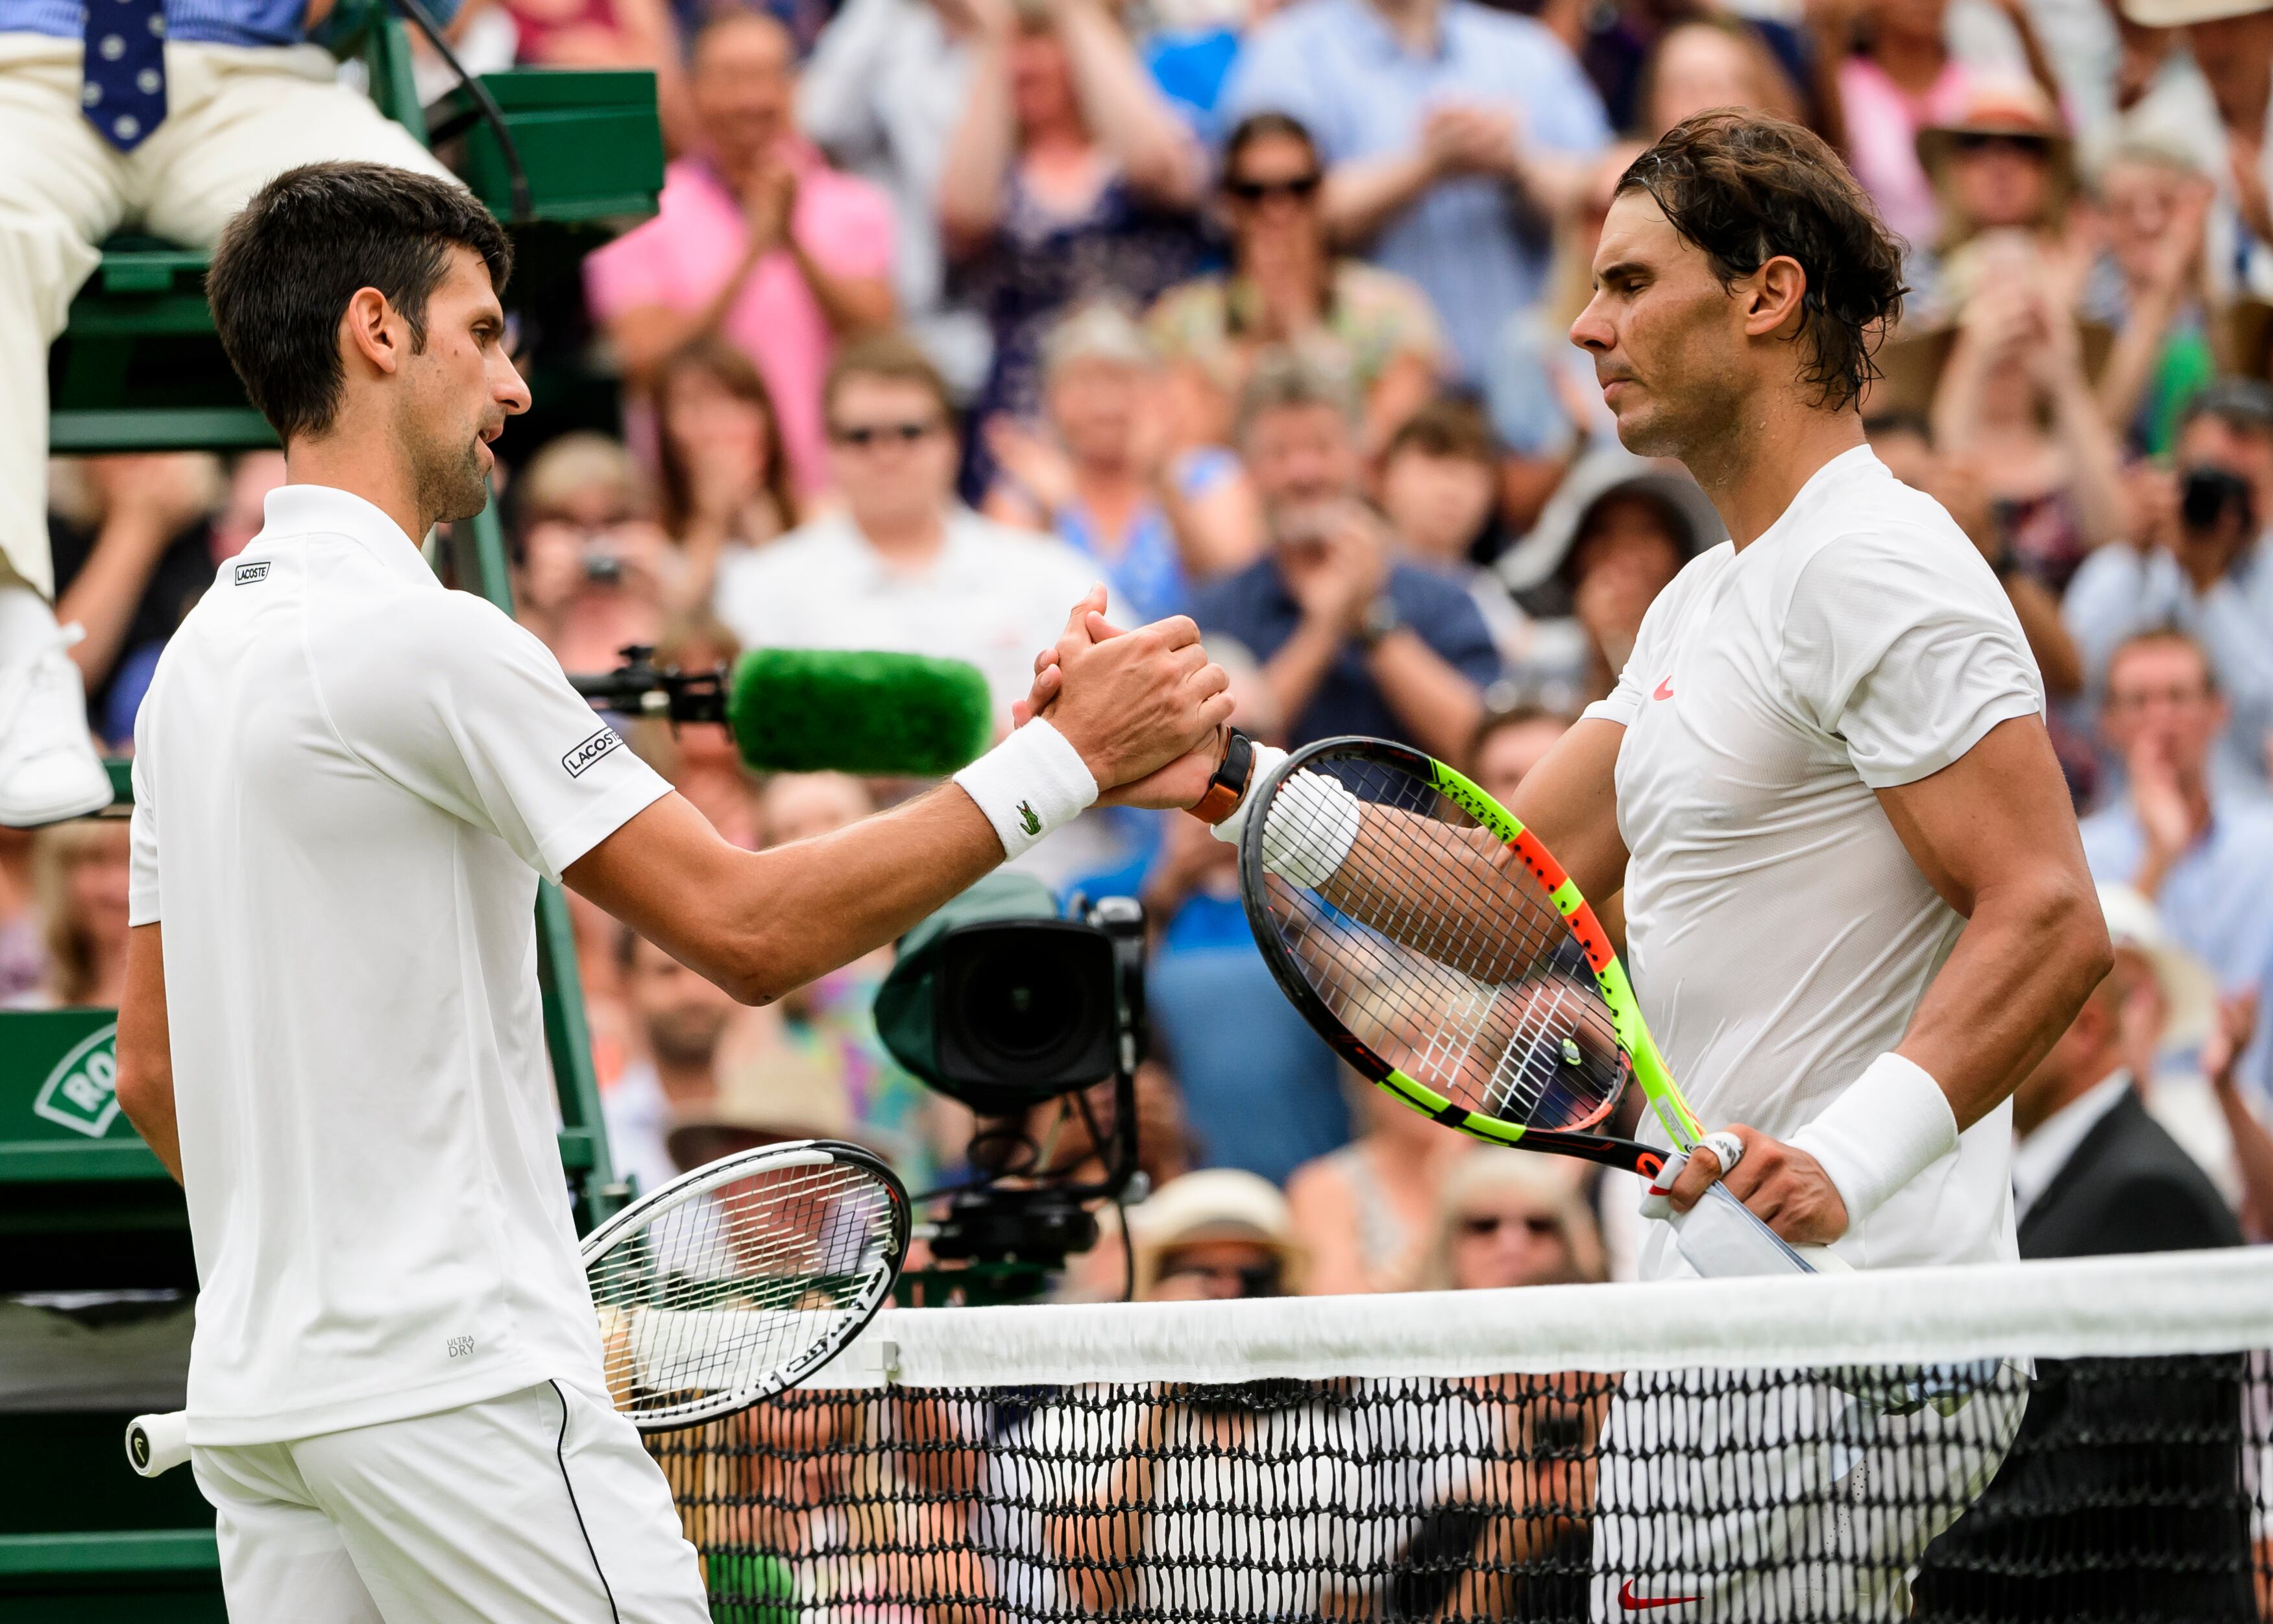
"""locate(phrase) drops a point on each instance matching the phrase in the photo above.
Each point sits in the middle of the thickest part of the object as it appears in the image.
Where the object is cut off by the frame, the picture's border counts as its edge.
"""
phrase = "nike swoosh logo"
(1632, 1603)
(1664, 690)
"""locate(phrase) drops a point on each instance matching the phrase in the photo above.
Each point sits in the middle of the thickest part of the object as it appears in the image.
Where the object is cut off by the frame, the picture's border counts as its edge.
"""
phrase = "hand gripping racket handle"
(1721, 1239)
(158, 1443)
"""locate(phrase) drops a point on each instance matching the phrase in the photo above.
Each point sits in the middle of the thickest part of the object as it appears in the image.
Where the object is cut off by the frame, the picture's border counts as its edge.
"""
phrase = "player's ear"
(1775, 294)
(371, 330)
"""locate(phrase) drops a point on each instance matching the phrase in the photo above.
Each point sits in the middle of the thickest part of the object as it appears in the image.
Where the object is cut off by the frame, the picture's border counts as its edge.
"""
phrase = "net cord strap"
(2199, 1302)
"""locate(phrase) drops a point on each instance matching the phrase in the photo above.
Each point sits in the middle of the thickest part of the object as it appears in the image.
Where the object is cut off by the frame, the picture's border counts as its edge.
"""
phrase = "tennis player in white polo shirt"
(347, 781)
(1855, 903)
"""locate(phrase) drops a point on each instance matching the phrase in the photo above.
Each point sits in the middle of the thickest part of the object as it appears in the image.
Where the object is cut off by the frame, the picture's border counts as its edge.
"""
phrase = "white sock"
(25, 620)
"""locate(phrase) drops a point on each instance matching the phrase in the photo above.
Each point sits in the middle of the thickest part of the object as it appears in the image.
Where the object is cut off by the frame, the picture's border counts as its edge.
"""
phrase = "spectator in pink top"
(1894, 75)
(758, 240)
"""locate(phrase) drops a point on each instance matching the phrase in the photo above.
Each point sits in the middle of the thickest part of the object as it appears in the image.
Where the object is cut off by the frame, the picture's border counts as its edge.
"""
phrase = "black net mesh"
(2089, 1489)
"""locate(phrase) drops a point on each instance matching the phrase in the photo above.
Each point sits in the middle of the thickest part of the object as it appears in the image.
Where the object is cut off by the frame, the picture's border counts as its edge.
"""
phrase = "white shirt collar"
(295, 511)
(2038, 1158)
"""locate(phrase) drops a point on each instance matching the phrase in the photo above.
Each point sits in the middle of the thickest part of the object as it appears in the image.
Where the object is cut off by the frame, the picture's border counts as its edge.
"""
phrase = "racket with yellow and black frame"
(1442, 951)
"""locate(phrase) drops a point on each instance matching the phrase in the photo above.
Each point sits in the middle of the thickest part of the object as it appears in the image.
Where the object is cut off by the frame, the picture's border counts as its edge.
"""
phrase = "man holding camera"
(2206, 569)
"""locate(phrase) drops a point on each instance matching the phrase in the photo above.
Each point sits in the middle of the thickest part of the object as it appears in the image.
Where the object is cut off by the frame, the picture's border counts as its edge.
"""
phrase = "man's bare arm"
(763, 923)
(1569, 800)
(1995, 833)
(145, 1054)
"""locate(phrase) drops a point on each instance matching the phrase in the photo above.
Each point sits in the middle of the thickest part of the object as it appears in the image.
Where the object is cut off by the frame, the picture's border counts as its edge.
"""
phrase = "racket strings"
(724, 1291)
(1447, 957)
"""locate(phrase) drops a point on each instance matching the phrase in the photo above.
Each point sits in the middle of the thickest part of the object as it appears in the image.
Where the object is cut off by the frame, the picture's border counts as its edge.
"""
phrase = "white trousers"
(540, 1505)
(1780, 1501)
(236, 118)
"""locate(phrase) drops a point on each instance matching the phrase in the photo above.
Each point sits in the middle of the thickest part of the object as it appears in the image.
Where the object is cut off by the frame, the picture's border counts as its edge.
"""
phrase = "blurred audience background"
(1257, 312)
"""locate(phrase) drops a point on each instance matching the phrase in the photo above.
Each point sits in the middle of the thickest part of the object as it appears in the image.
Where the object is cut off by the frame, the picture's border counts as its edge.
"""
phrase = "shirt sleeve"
(1906, 650)
(466, 710)
(142, 832)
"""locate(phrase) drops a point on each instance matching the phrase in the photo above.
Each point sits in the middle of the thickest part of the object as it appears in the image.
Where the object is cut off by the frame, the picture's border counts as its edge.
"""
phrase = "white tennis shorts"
(1771, 1499)
(540, 1505)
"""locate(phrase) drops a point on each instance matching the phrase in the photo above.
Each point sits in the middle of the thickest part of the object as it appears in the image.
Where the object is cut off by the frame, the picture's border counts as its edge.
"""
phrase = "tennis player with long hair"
(347, 782)
(1857, 906)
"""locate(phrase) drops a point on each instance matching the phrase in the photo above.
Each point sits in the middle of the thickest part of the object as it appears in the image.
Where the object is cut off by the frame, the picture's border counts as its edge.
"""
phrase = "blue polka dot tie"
(123, 82)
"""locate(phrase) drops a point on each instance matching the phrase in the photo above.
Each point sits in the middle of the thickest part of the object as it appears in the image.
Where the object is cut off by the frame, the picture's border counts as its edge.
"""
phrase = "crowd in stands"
(1256, 312)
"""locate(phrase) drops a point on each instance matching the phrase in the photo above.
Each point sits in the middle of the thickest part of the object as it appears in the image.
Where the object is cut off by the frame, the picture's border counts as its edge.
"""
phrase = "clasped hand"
(1146, 708)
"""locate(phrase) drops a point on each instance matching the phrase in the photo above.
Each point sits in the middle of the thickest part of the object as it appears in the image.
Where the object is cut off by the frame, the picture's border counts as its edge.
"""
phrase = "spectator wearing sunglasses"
(1453, 135)
(903, 565)
(1218, 1234)
(1509, 1219)
(2003, 170)
(1287, 287)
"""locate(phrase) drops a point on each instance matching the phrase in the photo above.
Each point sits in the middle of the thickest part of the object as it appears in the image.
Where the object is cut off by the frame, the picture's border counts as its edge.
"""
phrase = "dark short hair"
(288, 263)
(1447, 426)
(890, 355)
(1259, 126)
(1745, 188)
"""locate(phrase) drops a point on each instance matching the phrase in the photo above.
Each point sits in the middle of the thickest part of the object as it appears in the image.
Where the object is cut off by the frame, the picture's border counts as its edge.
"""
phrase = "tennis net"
(2070, 1441)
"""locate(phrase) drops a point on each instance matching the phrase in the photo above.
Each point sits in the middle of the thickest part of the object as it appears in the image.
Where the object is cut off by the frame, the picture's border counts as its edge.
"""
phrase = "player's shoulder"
(1866, 533)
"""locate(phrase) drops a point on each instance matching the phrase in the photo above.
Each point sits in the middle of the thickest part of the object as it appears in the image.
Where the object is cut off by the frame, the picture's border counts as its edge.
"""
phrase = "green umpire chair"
(96, 1276)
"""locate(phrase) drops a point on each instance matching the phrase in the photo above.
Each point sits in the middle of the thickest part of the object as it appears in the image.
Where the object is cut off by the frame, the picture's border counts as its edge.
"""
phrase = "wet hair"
(1745, 188)
(289, 262)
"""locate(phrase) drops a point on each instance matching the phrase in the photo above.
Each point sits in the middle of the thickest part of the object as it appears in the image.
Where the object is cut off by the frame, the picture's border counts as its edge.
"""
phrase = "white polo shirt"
(347, 780)
(1778, 936)
(994, 596)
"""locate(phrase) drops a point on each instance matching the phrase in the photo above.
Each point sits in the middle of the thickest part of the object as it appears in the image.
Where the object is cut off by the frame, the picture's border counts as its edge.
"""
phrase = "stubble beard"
(452, 485)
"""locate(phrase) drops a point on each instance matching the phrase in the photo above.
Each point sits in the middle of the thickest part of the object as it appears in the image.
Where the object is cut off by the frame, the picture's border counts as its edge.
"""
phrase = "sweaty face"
(1666, 337)
(458, 390)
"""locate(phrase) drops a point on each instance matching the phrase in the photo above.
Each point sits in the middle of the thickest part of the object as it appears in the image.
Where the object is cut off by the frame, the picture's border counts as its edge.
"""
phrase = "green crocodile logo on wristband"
(1026, 818)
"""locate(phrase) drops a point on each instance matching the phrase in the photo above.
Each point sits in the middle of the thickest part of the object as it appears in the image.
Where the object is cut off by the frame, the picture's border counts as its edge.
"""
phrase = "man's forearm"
(1301, 665)
(144, 1049)
(1439, 707)
(763, 923)
(852, 304)
(2026, 961)
(1364, 196)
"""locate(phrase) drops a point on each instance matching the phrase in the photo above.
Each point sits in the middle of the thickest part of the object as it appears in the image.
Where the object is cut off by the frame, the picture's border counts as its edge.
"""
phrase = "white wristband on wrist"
(1267, 758)
(1032, 782)
(1892, 1123)
(1314, 823)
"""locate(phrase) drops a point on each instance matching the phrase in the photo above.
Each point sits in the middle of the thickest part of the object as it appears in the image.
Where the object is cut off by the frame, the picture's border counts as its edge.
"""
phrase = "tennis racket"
(718, 1289)
(1440, 950)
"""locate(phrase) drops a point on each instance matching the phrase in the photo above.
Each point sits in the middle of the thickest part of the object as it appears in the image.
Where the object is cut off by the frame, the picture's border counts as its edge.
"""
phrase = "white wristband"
(1267, 758)
(1313, 823)
(1032, 782)
(1890, 1125)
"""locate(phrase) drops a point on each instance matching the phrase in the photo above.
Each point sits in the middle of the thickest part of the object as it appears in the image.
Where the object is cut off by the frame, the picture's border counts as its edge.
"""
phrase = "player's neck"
(363, 466)
(1753, 471)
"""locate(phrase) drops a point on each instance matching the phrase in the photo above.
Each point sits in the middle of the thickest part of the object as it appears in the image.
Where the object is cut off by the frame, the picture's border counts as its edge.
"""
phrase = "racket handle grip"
(158, 1443)
(1654, 1203)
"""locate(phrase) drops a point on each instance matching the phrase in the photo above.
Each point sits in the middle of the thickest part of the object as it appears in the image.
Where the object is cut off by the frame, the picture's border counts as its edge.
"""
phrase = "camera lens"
(1021, 1007)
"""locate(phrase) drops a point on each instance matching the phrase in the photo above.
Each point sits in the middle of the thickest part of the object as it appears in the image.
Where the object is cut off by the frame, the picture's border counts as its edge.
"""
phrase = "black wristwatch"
(1229, 787)
(1382, 619)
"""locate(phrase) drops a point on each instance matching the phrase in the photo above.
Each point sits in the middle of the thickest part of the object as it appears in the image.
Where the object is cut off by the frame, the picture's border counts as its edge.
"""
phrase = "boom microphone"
(807, 710)
(803, 710)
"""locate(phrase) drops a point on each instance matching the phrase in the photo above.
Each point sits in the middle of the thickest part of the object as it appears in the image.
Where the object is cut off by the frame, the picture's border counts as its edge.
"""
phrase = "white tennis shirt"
(347, 780)
(1778, 936)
